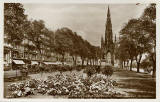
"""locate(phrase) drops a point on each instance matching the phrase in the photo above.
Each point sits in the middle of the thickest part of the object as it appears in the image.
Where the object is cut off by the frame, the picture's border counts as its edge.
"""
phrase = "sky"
(88, 20)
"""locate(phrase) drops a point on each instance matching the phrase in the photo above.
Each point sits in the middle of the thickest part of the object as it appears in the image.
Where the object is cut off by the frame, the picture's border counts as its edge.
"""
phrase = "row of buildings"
(26, 52)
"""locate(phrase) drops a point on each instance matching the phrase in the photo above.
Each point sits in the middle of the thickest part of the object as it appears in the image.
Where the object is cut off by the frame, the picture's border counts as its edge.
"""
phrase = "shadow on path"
(135, 85)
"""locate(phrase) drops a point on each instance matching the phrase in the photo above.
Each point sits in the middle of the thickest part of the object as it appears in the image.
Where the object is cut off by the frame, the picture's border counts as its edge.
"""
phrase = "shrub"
(89, 71)
(78, 68)
(97, 69)
(107, 70)
(7, 68)
(146, 64)
(47, 68)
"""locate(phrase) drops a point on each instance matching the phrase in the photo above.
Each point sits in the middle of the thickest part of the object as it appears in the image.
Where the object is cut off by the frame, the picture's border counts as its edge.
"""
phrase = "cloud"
(88, 20)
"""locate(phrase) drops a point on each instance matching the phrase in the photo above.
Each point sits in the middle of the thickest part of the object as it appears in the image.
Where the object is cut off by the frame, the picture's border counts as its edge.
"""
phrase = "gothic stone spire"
(109, 45)
(108, 31)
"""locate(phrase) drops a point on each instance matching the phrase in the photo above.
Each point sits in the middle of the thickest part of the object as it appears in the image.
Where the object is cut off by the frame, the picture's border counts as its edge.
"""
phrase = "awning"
(18, 61)
(58, 62)
(53, 63)
(34, 62)
(48, 62)
(45, 62)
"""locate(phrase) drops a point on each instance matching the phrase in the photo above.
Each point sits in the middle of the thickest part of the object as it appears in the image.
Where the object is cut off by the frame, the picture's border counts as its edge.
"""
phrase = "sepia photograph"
(79, 51)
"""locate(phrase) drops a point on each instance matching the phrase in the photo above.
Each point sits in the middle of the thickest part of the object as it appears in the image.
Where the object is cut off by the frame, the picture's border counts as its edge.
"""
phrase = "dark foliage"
(107, 70)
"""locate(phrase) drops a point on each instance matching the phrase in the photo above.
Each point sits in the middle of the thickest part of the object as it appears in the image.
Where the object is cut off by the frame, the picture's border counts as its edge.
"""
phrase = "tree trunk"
(154, 71)
(73, 59)
(40, 64)
(154, 67)
(131, 65)
(75, 62)
(90, 62)
(124, 64)
(63, 59)
(87, 62)
(12, 59)
(138, 64)
(127, 64)
(82, 62)
(93, 62)
(96, 61)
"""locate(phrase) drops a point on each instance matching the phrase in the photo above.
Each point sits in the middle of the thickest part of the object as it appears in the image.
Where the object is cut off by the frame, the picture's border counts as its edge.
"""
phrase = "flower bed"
(73, 86)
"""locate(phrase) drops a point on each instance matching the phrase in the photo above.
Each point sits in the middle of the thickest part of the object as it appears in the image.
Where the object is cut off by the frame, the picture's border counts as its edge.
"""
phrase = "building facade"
(26, 51)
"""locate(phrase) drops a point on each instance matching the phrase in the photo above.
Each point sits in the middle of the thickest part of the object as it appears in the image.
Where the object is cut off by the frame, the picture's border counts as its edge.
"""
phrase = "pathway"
(137, 85)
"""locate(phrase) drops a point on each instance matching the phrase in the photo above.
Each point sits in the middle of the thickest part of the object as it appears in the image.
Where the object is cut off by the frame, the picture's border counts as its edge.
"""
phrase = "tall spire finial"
(102, 42)
(115, 39)
(102, 39)
(108, 14)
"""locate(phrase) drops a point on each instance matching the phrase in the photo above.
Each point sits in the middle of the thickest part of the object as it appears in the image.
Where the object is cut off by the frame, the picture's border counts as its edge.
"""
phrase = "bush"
(145, 64)
(47, 68)
(78, 68)
(97, 69)
(107, 70)
(89, 71)
(7, 68)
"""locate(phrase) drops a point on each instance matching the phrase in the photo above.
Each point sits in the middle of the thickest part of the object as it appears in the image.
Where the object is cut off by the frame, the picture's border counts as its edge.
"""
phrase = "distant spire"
(102, 41)
(101, 38)
(115, 39)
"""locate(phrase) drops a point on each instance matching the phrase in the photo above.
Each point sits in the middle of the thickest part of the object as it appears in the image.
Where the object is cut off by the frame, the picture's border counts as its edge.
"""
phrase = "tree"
(14, 20)
(63, 42)
(122, 53)
(149, 26)
(36, 34)
(129, 48)
(75, 51)
(14, 24)
(67, 41)
(135, 34)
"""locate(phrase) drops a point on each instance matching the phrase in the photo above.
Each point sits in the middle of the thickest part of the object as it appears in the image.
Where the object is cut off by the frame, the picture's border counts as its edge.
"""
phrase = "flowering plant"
(72, 86)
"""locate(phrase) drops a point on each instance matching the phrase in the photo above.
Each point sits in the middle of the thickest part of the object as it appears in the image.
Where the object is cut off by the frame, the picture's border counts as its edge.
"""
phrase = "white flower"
(19, 93)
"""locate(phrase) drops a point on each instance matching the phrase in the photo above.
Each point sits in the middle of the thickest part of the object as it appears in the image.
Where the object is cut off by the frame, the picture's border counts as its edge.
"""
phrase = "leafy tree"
(14, 20)
(83, 49)
(128, 49)
(67, 41)
(136, 37)
(122, 53)
(75, 51)
(149, 27)
(14, 24)
(129, 40)
(37, 29)
(63, 42)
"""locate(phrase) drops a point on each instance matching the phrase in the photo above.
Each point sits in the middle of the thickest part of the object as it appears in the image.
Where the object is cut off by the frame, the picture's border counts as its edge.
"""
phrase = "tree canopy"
(138, 36)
